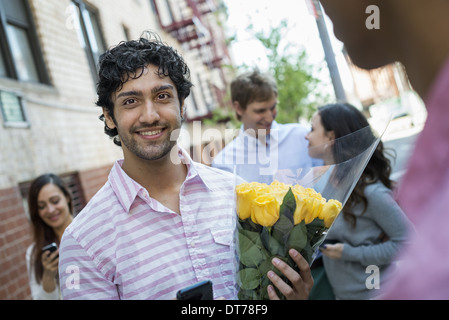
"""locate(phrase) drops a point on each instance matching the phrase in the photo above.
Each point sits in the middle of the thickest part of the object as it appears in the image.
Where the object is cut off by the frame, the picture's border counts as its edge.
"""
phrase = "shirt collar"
(272, 138)
(126, 189)
(195, 170)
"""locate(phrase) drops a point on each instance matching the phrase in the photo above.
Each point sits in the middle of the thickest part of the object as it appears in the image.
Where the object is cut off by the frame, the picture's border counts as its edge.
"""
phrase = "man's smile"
(150, 133)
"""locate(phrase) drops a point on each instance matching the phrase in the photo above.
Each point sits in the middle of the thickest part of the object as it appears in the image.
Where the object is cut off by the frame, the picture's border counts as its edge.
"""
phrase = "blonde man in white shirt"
(263, 146)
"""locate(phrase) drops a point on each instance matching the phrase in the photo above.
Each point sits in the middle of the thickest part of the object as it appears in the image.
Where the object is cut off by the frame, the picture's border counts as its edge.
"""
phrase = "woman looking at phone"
(50, 208)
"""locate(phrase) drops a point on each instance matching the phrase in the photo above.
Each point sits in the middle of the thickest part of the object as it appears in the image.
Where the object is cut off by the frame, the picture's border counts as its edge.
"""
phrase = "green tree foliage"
(299, 93)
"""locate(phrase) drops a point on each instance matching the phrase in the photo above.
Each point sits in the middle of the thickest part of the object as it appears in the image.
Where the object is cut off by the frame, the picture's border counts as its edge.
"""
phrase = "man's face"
(147, 111)
(367, 47)
(258, 115)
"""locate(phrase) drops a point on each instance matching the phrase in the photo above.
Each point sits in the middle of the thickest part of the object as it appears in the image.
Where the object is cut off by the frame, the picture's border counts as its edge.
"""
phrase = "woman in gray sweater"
(371, 228)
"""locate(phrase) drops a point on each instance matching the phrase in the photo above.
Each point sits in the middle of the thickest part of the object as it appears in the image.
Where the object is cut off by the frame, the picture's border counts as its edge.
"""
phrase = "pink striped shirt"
(126, 245)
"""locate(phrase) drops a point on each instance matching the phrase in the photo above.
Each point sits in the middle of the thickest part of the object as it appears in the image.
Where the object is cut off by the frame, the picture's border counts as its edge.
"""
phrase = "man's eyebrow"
(139, 93)
(128, 94)
(161, 88)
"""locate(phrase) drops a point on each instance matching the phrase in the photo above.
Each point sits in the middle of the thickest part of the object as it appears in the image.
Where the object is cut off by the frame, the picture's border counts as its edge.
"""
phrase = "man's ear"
(237, 108)
(183, 110)
(108, 119)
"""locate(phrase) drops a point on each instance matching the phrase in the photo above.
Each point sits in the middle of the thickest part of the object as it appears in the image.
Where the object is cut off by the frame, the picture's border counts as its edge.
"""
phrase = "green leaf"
(248, 278)
(315, 230)
(307, 253)
(267, 265)
(248, 238)
(250, 248)
(281, 230)
(271, 244)
(252, 257)
(248, 224)
(298, 237)
(288, 206)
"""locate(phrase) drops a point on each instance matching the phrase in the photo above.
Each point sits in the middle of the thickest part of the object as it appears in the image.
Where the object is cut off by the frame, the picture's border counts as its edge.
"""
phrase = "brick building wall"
(15, 237)
(92, 180)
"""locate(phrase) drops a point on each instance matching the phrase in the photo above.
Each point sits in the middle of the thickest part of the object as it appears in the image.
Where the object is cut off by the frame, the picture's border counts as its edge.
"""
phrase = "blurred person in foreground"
(371, 227)
(263, 146)
(162, 222)
(416, 33)
(51, 211)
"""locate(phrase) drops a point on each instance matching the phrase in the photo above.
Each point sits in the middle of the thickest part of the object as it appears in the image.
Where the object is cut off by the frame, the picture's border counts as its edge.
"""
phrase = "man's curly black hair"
(127, 61)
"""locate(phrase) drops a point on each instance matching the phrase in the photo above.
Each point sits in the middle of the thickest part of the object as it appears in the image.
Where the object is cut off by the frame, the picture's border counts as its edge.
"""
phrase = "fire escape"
(193, 24)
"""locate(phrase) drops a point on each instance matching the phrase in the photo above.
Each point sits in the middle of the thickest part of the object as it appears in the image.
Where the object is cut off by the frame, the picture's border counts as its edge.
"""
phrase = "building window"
(12, 110)
(87, 25)
(2, 65)
(20, 55)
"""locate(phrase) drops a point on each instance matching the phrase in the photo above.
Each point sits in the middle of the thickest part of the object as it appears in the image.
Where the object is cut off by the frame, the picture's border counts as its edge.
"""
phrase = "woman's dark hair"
(344, 119)
(127, 61)
(42, 233)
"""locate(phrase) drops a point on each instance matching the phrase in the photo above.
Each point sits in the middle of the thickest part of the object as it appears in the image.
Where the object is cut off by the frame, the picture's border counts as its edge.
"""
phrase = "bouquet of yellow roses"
(295, 209)
(271, 220)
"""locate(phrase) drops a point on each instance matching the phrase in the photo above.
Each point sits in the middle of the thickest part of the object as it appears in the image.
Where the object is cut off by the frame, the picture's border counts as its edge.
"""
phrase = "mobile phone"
(199, 291)
(52, 247)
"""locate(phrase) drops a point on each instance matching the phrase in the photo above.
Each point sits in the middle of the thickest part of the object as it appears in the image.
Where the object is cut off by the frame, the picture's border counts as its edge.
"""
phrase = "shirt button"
(192, 244)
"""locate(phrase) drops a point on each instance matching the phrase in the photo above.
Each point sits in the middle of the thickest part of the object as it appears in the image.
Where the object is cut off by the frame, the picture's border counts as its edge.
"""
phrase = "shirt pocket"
(223, 238)
(222, 235)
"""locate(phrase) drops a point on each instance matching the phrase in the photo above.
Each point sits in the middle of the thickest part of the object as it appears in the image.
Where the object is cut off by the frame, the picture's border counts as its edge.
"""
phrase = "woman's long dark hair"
(42, 233)
(344, 119)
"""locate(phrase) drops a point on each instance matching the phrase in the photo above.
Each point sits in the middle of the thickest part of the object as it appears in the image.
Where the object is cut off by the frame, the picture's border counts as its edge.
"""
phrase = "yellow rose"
(280, 185)
(330, 211)
(265, 210)
(313, 208)
(279, 190)
(261, 189)
(313, 194)
(298, 215)
(298, 190)
(245, 194)
(309, 204)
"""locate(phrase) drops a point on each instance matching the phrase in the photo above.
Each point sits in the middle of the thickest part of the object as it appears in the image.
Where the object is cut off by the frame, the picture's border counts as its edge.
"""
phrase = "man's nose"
(150, 113)
(271, 115)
